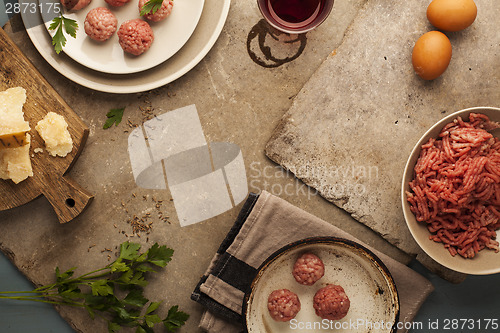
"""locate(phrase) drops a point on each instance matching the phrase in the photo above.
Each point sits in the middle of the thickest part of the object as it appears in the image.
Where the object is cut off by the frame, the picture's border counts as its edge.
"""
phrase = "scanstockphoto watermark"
(352, 325)
(437, 325)
(349, 179)
(264, 179)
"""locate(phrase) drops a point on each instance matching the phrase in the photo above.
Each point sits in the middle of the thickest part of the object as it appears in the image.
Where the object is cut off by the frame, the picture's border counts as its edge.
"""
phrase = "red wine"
(295, 16)
(295, 11)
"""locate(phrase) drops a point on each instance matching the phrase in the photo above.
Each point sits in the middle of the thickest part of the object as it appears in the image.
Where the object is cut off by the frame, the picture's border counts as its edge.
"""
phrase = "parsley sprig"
(114, 292)
(59, 23)
(151, 6)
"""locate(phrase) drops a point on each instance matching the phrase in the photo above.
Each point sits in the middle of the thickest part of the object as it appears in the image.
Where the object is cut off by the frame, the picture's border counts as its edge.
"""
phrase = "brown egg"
(431, 55)
(451, 15)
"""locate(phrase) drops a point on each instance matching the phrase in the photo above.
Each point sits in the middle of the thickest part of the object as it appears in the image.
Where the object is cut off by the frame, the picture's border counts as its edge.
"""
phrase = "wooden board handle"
(66, 196)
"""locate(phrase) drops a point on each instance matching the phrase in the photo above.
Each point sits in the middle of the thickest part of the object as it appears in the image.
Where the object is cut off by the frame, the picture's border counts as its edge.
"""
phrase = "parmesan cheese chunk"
(13, 127)
(15, 163)
(54, 131)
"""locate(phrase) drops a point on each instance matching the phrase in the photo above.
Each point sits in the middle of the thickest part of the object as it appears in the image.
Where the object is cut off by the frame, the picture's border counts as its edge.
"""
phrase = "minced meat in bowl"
(451, 191)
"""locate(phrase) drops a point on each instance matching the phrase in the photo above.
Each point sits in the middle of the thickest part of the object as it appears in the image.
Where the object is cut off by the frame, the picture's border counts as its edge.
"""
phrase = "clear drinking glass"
(295, 16)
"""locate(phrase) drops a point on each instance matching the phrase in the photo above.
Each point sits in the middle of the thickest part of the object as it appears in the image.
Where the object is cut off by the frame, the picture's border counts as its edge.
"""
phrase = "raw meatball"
(283, 305)
(75, 4)
(308, 269)
(331, 302)
(135, 36)
(161, 13)
(100, 24)
(116, 3)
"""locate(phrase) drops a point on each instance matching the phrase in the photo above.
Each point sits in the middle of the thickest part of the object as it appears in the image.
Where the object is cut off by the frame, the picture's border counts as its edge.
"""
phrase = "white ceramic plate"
(365, 279)
(204, 37)
(486, 261)
(108, 57)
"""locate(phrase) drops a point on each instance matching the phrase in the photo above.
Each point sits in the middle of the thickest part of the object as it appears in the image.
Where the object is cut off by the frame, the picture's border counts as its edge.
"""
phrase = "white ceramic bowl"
(486, 261)
(365, 279)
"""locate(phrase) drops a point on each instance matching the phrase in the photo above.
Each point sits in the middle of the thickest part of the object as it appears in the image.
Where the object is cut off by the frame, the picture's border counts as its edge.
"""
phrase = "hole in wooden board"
(70, 202)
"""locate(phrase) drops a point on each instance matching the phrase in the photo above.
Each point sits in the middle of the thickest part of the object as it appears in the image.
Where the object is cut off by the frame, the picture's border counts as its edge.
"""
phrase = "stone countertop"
(240, 94)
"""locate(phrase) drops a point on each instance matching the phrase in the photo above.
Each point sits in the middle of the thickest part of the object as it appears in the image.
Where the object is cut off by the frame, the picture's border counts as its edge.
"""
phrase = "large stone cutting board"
(351, 128)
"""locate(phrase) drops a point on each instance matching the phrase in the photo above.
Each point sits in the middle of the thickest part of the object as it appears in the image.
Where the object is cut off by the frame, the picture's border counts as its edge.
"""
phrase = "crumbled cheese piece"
(54, 131)
(38, 150)
(15, 163)
(13, 127)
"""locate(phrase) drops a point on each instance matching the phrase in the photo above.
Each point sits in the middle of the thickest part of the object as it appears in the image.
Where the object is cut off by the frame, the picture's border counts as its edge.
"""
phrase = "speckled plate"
(486, 261)
(365, 279)
(170, 35)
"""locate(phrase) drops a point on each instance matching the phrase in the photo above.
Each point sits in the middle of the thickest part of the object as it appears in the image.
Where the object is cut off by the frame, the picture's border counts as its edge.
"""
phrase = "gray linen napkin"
(265, 224)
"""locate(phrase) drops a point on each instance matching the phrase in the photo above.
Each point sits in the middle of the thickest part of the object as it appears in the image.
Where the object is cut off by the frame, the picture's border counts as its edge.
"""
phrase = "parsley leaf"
(136, 298)
(70, 26)
(160, 255)
(114, 117)
(151, 320)
(151, 6)
(64, 276)
(152, 307)
(58, 23)
(175, 319)
(129, 250)
(102, 288)
(113, 327)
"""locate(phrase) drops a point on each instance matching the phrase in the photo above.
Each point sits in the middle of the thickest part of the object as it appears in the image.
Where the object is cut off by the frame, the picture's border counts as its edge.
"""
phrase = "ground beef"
(116, 3)
(308, 269)
(456, 186)
(283, 305)
(161, 13)
(100, 24)
(75, 5)
(331, 302)
(135, 36)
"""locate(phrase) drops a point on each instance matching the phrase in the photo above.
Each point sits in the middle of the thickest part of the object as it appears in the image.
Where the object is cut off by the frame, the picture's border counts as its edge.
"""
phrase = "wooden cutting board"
(67, 197)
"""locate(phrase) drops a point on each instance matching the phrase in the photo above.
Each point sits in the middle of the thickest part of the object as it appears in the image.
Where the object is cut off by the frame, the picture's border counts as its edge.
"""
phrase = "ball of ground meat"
(308, 269)
(116, 3)
(331, 302)
(283, 305)
(100, 24)
(75, 5)
(161, 13)
(135, 36)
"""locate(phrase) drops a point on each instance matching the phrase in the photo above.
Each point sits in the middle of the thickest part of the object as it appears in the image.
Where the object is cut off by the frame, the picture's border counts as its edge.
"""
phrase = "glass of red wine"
(295, 16)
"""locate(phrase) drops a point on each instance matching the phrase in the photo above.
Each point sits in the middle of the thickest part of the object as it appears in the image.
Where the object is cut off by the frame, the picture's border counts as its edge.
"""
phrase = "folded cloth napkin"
(265, 224)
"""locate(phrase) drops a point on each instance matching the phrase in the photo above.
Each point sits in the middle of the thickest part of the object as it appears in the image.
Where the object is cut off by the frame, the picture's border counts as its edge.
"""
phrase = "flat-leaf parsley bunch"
(114, 292)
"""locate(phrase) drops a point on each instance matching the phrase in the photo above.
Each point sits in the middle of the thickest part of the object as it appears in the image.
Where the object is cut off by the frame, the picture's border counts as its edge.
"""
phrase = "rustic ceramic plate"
(365, 279)
(486, 261)
(170, 35)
